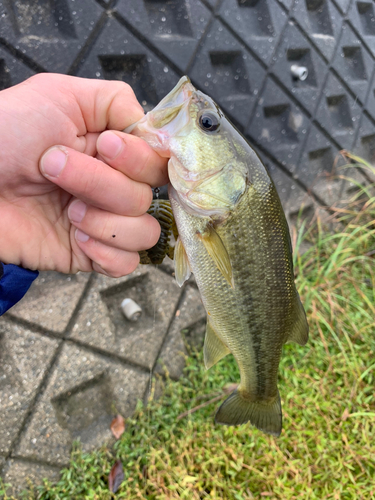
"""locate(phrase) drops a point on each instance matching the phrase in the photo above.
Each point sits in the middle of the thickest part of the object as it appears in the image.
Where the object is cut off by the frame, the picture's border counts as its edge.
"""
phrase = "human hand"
(90, 215)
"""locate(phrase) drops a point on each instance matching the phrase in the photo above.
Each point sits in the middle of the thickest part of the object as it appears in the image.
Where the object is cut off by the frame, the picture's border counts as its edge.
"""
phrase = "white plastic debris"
(299, 72)
(131, 310)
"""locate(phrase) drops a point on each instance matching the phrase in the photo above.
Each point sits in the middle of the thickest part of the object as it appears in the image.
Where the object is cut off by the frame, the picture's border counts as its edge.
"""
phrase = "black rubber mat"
(296, 76)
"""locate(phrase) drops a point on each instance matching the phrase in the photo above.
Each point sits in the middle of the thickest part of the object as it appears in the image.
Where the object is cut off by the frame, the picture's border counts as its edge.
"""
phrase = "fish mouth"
(169, 107)
(167, 119)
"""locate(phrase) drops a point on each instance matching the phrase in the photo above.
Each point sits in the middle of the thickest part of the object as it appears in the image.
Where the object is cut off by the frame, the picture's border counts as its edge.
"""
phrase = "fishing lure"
(161, 210)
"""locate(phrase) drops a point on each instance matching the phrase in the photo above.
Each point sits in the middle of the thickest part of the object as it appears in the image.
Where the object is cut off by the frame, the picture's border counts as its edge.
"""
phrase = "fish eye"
(209, 122)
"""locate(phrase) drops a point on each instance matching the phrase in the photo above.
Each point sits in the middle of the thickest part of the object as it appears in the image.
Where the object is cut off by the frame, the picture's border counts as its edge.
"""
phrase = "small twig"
(193, 410)
(227, 389)
(203, 396)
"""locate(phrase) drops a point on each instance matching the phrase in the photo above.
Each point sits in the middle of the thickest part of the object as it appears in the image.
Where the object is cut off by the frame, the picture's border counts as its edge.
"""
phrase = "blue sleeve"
(14, 283)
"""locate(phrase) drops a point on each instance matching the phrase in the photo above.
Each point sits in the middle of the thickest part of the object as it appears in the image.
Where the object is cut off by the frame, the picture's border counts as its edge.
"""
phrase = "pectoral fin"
(217, 251)
(181, 263)
(214, 349)
(299, 332)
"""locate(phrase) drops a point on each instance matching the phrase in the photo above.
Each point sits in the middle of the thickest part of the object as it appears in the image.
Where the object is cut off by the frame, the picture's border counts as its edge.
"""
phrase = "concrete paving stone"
(118, 55)
(193, 336)
(287, 3)
(226, 71)
(318, 168)
(102, 324)
(50, 33)
(85, 391)
(342, 5)
(329, 189)
(361, 15)
(321, 21)
(12, 71)
(172, 356)
(259, 24)
(370, 103)
(295, 50)
(20, 474)
(24, 358)
(279, 125)
(157, 388)
(353, 63)
(293, 198)
(51, 300)
(280, 179)
(212, 3)
(355, 177)
(338, 112)
(304, 209)
(299, 204)
(2, 462)
(365, 144)
(174, 28)
(168, 266)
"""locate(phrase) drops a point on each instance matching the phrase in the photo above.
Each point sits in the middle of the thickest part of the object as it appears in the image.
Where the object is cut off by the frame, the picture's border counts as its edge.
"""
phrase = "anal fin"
(299, 332)
(214, 349)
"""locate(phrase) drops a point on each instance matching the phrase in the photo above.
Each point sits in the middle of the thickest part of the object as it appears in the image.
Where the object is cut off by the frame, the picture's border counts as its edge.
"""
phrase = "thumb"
(102, 104)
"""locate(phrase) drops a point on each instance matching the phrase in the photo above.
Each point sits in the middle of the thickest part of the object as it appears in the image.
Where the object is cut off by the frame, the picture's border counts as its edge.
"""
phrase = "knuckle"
(120, 85)
(117, 263)
(132, 262)
(93, 183)
(147, 161)
(153, 232)
(105, 228)
(125, 86)
(36, 79)
(144, 198)
(124, 266)
(122, 90)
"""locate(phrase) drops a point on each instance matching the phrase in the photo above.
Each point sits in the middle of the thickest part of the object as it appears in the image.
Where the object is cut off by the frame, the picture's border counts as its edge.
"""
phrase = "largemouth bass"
(234, 237)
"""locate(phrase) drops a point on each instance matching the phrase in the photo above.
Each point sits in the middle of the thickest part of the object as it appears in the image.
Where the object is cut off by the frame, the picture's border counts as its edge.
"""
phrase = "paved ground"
(69, 360)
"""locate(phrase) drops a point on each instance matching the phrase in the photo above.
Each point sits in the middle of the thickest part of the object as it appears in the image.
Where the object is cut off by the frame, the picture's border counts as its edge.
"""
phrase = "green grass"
(327, 447)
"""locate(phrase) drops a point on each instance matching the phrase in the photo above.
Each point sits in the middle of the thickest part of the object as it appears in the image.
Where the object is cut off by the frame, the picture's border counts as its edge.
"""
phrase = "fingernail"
(77, 210)
(81, 236)
(53, 162)
(99, 269)
(109, 145)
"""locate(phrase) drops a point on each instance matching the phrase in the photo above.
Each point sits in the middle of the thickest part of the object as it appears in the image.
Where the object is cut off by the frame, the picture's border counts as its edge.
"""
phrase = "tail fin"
(237, 410)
